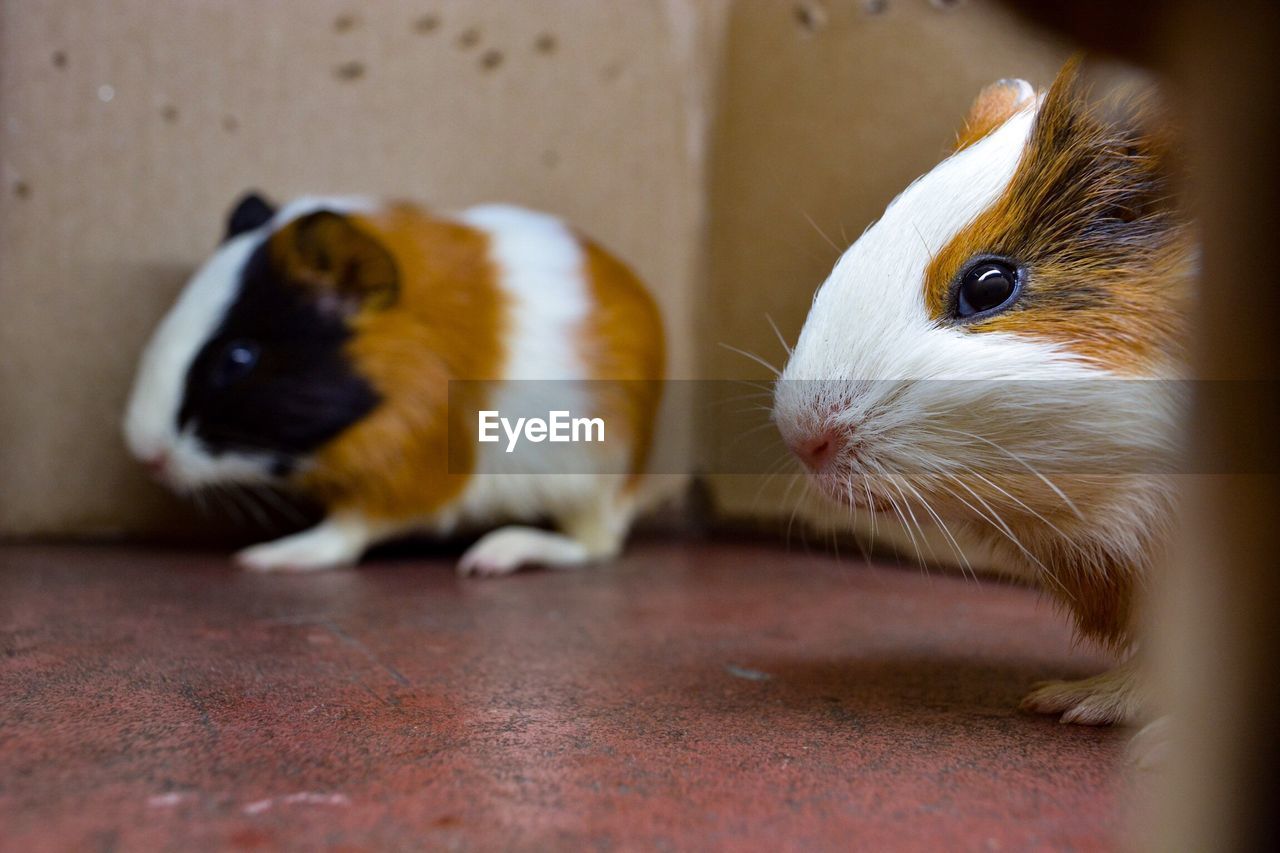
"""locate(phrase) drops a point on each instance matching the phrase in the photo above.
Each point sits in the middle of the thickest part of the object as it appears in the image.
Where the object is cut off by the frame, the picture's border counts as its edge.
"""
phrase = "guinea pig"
(314, 352)
(991, 353)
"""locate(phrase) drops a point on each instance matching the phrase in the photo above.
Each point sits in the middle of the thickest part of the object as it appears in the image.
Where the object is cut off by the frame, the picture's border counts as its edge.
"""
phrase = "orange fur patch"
(1088, 217)
(446, 323)
(440, 314)
(623, 343)
(1091, 218)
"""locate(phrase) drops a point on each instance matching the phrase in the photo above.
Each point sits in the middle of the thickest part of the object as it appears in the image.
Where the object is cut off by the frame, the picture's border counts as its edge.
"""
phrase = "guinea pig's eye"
(987, 286)
(237, 360)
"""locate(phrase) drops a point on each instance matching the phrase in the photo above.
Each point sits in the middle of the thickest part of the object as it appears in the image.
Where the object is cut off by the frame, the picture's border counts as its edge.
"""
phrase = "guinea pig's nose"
(157, 464)
(816, 451)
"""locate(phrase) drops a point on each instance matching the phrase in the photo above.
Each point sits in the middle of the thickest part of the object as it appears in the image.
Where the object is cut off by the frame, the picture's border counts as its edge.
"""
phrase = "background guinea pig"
(314, 351)
(959, 365)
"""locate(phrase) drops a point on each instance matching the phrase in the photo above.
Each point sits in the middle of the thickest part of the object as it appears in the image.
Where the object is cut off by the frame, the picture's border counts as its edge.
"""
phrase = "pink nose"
(157, 464)
(816, 451)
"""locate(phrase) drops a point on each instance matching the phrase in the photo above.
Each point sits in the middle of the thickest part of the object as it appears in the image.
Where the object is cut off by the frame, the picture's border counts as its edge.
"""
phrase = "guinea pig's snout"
(157, 465)
(817, 449)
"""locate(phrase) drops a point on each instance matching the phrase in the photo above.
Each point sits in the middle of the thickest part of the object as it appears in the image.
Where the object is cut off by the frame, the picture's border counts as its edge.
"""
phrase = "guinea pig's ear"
(993, 107)
(250, 212)
(344, 265)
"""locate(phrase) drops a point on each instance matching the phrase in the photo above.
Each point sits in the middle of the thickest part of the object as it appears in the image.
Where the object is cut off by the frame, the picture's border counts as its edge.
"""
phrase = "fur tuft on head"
(994, 105)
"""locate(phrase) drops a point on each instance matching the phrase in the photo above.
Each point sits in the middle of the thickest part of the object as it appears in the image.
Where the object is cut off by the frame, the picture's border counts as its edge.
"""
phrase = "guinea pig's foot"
(503, 551)
(328, 545)
(1113, 697)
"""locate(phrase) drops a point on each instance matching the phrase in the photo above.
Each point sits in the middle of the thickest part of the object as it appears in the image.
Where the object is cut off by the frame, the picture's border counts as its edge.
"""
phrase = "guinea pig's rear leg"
(337, 541)
(1115, 696)
(590, 534)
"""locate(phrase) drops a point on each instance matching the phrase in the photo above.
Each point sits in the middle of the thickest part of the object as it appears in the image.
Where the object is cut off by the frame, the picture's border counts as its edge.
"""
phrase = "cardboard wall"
(708, 142)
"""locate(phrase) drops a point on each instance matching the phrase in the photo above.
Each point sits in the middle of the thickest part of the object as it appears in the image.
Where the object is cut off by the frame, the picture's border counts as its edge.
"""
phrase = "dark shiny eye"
(237, 360)
(985, 287)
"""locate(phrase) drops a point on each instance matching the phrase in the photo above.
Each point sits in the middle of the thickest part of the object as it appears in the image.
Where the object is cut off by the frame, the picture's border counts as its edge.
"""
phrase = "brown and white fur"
(1013, 421)
(314, 351)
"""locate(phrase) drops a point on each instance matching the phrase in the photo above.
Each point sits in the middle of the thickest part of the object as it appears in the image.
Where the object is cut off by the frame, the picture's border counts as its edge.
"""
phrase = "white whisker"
(757, 359)
(785, 348)
(1021, 462)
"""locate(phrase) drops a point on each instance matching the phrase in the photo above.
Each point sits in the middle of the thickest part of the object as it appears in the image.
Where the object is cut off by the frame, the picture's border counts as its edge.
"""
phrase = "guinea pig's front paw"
(1113, 697)
(322, 547)
(503, 551)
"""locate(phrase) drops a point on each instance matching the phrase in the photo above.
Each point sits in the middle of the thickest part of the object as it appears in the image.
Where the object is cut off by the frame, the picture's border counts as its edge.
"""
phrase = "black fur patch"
(301, 393)
(250, 212)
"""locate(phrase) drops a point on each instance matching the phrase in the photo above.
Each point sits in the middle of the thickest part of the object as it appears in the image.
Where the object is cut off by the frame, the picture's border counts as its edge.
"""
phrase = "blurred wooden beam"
(1223, 63)
(1225, 59)
(1133, 29)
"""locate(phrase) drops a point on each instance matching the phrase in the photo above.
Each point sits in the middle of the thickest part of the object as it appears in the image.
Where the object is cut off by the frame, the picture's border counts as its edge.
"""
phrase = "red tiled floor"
(690, 696)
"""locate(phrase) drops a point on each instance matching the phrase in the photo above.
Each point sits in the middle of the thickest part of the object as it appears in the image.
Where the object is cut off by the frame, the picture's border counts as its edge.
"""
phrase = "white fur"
(869, 327)
(1022, 441)
(151, 418)
(339, 540)
(540, 267)
(505, 550)
(869, 319)
(541, 271)
(303, 205)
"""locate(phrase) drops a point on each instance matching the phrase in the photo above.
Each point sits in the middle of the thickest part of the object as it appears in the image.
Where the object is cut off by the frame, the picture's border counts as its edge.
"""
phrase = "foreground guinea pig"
(960, 364)
(314, 351)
